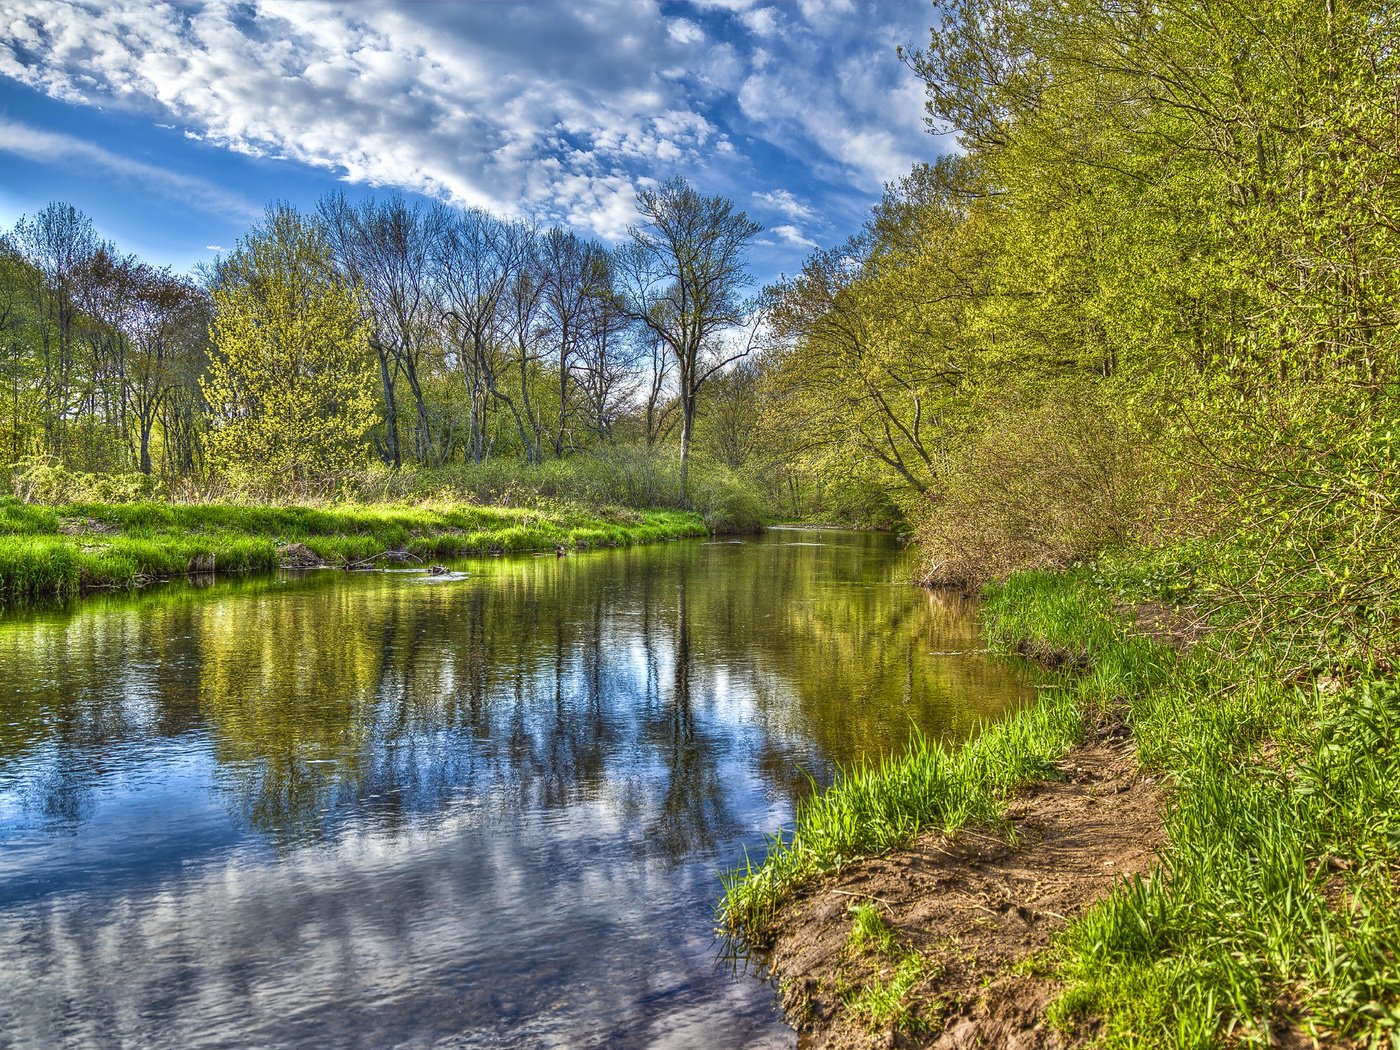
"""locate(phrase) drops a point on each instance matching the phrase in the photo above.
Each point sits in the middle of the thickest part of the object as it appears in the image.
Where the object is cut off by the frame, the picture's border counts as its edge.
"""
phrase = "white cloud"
(859, 110)
(825, 12)
(460, 102)
(684, 31)
(783, 201)
(557, 111)
(51, 147)
(794, 236)
(761, 21)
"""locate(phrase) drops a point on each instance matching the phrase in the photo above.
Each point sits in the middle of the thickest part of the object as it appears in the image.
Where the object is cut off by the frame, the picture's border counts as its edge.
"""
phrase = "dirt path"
(973, 907)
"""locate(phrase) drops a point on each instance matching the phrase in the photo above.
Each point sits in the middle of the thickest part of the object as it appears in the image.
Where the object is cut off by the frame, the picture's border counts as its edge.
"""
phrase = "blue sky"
(173, 125)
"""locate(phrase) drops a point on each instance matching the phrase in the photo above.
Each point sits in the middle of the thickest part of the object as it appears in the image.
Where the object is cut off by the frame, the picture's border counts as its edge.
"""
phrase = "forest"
(411, 337)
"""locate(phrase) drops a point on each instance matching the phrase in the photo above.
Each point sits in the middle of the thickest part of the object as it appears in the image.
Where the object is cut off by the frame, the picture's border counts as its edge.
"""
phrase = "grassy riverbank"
(1276, 908)
(58, 552)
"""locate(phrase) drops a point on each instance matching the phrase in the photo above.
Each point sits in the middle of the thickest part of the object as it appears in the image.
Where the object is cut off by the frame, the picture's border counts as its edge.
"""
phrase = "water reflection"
(363, 811)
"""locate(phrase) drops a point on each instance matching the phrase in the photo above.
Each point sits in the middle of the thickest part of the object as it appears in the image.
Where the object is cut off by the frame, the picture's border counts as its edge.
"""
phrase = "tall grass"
(58, 552)
(1277, 906)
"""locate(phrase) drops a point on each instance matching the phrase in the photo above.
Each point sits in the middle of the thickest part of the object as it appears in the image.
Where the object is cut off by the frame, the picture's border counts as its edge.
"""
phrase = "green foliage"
(1042, 485)
(290, 385)
(382, 333)
(1154, 299)
(40, 479)
(728, 505)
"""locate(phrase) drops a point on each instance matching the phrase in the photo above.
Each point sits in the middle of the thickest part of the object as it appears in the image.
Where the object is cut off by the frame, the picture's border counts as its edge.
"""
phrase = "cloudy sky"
(172, 125)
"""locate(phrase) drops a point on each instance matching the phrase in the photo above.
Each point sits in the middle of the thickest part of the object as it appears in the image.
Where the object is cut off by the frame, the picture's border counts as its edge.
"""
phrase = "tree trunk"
(687, 423)
(391, 412)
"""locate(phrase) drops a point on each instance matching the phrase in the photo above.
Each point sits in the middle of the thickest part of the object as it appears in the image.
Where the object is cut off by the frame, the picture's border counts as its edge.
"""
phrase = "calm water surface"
(379, 810)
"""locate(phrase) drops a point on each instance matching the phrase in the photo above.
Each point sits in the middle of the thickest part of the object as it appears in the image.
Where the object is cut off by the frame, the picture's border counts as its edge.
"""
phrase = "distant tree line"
(411, 333)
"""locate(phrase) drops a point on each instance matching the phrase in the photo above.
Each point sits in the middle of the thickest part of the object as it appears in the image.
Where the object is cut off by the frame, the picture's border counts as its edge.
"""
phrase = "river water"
(380, 810)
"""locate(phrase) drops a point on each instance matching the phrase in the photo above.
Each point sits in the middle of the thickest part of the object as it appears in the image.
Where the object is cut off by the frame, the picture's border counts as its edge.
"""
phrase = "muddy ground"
(977, 908)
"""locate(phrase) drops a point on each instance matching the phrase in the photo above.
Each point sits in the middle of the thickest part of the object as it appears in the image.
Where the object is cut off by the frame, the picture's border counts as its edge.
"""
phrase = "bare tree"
(56, 243)
(658, 416)
(577, 284)
(476, 262)
(388, 249)
(525, 302)
(606, 361)
(681, 277)
(167, 325)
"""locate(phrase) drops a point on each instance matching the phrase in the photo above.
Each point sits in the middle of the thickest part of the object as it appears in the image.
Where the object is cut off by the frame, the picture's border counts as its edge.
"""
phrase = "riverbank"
(62, 552)
(1172, 847)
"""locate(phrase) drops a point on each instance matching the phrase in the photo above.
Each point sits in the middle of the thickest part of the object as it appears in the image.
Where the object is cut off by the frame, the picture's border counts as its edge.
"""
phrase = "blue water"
(374, 810)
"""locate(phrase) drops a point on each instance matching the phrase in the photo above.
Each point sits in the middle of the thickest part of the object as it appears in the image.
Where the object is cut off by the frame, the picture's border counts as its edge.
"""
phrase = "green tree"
(291, 384)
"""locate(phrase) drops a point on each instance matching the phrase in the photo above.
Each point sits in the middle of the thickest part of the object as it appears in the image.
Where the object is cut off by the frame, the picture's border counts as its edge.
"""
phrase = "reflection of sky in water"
(356, 811)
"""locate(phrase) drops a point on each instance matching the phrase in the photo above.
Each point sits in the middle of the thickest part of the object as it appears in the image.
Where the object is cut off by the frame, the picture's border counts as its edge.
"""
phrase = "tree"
(477, 260)
(680, 277)
(387, 250)
(577, 280)
(168, 329)
(56, 242)
(290, 386)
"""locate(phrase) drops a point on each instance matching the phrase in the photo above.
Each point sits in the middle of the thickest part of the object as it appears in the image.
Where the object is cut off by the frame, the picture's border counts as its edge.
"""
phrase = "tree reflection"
(632, 684)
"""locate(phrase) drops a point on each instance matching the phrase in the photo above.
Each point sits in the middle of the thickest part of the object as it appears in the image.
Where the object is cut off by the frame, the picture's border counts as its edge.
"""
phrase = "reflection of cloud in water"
(347, 810)
(542, 935)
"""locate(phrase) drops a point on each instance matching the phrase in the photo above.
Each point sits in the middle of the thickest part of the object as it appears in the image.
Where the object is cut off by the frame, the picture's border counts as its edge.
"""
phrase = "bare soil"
(977, 907)
(297, 556)
(85, 527)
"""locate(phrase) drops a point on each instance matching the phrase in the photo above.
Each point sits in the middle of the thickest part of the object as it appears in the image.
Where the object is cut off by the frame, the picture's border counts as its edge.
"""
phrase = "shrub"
(1040, 487)
(43, 480)
(729, 506)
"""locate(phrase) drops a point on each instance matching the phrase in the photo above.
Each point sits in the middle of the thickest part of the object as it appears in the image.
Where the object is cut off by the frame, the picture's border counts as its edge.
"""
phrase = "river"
(386, 809)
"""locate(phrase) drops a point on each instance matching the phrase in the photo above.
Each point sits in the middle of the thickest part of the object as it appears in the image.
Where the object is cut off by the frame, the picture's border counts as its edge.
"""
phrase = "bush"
(1040, 487)
(728, 505)
(42, 480)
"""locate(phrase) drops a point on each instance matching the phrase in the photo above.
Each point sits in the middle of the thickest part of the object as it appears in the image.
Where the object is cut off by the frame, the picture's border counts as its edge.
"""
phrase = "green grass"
(891, 994)
(871, 809)
(869, 931)
(1277, 903)
(60, 552)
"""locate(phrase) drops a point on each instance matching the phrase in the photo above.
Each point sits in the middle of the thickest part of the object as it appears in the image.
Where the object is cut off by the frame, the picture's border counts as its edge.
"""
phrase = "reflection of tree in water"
(69, 703)
(542, 684)
(694, 813)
